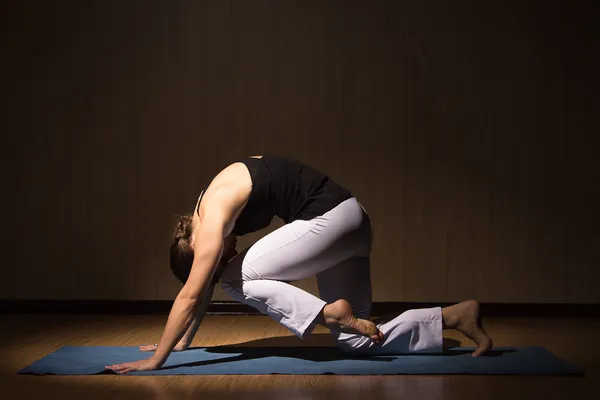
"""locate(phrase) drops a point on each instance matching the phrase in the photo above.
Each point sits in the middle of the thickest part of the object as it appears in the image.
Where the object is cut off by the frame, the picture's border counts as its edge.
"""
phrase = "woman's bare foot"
(465, 318)
(338, 317)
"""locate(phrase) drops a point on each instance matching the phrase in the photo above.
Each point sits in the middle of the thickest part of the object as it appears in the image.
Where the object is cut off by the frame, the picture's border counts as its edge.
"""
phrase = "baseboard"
(517, 310)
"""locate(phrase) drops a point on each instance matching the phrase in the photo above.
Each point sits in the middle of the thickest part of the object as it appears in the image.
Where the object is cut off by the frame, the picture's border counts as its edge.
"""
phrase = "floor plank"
(27, 337)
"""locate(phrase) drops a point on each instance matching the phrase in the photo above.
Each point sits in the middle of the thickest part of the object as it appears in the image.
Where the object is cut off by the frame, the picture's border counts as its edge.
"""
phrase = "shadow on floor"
(314, 340)
(292, 347)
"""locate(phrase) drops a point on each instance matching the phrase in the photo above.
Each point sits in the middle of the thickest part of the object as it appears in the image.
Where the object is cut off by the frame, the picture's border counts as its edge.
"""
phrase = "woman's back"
(289, 189)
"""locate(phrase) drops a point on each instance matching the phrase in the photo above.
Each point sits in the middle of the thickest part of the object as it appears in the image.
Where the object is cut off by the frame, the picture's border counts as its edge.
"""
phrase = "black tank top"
(289, 189)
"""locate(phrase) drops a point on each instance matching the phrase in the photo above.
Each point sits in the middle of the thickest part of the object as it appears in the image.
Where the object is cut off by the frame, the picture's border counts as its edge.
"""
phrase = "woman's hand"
(142, 365)
(152, 347)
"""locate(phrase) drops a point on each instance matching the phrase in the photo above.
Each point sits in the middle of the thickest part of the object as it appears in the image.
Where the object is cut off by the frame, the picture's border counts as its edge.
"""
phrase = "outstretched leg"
(412, 331)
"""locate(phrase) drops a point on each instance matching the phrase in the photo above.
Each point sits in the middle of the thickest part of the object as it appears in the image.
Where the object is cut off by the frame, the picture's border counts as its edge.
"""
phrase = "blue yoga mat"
(233, 360)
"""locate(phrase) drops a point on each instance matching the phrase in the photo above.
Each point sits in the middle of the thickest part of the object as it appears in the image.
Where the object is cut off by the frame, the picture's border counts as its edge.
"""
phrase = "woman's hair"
(181, 254)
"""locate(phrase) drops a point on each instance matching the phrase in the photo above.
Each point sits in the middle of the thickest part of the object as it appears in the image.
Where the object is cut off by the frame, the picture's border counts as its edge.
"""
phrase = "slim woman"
(327, 234)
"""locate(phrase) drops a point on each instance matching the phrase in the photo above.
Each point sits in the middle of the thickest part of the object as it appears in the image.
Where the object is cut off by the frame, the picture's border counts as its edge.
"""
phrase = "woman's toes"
(483, 348)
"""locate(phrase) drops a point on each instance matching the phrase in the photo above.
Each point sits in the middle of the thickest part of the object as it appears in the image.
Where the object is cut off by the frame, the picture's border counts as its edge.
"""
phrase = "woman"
(327, 234)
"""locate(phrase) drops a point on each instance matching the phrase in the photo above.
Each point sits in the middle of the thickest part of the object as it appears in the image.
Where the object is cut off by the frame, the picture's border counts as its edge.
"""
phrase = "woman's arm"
(188, 299)
(187, 338)
(219, 217)
(184, 306)
(219, 214)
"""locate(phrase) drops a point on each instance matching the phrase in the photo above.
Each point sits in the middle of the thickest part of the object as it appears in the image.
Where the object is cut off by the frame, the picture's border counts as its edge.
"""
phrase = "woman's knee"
(233, 274)
(353, 343)
(229, 285)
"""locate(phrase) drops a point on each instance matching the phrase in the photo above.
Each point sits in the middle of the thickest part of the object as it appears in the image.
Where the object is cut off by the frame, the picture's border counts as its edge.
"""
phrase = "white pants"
(335, 247)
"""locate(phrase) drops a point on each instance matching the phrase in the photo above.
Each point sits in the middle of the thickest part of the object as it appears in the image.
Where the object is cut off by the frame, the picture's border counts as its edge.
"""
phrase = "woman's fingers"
(118, 368)
(126, 370)
(122, 368)
(141, 365)
(152, 347)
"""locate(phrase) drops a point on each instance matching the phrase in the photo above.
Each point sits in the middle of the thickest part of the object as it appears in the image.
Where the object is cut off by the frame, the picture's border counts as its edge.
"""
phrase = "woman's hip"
(302, 249)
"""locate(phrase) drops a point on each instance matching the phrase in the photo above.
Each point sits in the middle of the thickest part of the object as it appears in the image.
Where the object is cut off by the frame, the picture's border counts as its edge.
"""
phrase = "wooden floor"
(25, 338)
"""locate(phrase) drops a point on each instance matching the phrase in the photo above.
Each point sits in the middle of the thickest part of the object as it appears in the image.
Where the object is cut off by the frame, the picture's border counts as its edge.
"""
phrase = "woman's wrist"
(156, 362)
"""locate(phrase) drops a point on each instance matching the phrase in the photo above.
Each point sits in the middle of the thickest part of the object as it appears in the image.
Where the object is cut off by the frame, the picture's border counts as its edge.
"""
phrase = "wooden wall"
(465, 128)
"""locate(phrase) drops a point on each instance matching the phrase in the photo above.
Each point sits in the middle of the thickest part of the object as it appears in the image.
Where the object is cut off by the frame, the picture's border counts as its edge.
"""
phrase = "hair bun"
(183, 228)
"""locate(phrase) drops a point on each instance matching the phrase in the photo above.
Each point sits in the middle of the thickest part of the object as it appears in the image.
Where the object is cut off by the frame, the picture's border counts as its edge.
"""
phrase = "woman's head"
(181, 253)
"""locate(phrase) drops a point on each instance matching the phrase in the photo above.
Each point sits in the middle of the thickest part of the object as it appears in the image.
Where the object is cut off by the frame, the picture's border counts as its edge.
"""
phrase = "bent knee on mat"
(353, 343)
